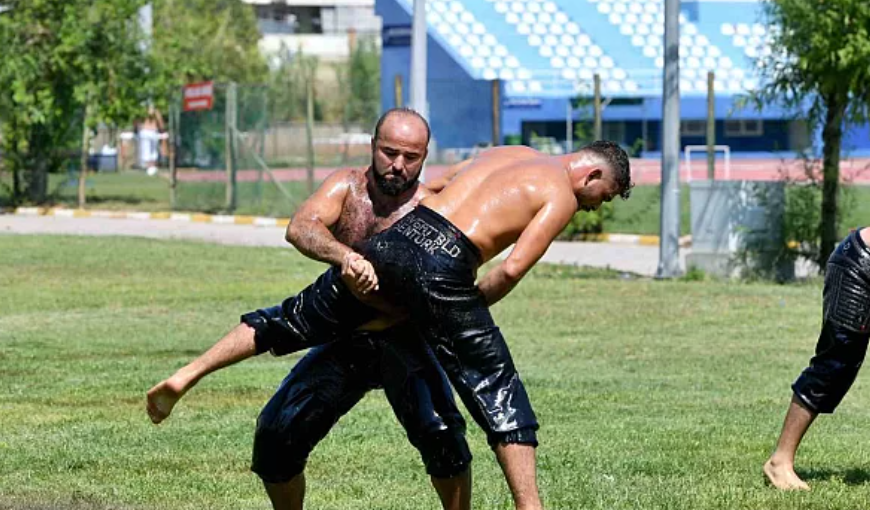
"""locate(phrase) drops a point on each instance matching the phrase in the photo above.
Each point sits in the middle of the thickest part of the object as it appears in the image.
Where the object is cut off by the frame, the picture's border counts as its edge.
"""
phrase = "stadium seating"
(554, 47)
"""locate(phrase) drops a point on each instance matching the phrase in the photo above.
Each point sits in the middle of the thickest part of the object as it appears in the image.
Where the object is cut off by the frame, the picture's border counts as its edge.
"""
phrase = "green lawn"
(135, 191)
(650, 394)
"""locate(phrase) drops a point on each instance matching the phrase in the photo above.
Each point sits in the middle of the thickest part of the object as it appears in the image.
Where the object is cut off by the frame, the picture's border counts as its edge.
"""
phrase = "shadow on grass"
(850, 476)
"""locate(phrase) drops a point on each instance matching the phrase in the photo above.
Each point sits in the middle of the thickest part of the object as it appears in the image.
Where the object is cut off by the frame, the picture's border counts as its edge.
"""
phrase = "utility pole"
(418, 64)
(669, 233)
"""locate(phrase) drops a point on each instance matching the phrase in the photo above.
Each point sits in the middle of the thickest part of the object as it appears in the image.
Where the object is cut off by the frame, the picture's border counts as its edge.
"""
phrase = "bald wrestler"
(426, 267)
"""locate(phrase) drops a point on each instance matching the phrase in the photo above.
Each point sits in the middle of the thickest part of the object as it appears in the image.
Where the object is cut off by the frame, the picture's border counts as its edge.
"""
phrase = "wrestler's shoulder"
(510, 151)
(347, 176)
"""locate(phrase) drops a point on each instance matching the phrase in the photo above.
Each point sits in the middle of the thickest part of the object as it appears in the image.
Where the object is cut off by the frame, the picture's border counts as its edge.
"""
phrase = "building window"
(744, 127)
(693, 128)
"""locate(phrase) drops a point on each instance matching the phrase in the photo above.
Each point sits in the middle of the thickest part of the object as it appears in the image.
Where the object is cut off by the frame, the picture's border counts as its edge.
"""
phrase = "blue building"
(544, 53)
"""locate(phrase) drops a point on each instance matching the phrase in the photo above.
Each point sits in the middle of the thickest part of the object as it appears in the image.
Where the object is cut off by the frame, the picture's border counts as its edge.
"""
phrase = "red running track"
(644, 171)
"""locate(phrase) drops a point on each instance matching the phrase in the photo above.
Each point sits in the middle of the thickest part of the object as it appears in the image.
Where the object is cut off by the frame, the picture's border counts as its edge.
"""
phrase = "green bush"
(588, 223)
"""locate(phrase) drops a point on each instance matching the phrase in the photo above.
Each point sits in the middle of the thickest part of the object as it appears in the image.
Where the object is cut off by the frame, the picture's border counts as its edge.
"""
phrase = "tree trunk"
(37, 180)
(173, 171)
(83, 171)
(832, 138)
(16, 184)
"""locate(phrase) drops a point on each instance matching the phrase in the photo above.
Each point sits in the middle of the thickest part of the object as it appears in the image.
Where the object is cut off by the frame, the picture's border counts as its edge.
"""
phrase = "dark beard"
(393, 187)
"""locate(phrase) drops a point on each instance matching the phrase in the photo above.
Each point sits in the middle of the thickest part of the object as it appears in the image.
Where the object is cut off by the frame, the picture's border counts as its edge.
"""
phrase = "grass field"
(650, 394)
(136, 191)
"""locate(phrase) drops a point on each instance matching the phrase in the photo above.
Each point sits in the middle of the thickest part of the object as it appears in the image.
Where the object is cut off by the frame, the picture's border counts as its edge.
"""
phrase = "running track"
(644, 171)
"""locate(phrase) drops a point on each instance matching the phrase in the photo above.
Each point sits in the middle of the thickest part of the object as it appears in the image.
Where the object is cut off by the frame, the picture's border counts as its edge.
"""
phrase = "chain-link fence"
(234, 157)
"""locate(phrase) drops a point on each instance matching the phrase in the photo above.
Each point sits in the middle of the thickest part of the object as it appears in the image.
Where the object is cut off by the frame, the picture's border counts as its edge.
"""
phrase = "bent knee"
(445, 454)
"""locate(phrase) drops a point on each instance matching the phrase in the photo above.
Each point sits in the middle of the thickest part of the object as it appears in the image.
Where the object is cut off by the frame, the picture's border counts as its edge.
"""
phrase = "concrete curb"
(260, 221)
(263, 221)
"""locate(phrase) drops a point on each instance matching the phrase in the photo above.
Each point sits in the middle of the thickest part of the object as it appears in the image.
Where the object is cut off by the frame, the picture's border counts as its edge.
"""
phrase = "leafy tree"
(68, 65)
(197, 40)
(363, 103)
(56, 55)
(287, 88)
(106, 50)
(820, 54)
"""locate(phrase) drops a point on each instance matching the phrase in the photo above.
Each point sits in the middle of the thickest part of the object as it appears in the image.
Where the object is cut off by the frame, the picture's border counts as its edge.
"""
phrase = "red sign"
(198, 96)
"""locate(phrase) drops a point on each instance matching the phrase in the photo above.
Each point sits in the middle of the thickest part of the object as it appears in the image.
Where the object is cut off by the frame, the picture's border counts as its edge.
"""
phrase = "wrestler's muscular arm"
(549, 221)
(309, 230)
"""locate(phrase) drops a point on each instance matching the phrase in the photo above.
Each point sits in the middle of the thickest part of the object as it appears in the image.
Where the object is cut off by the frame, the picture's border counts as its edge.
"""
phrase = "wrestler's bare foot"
(782, 476)
(163, 397)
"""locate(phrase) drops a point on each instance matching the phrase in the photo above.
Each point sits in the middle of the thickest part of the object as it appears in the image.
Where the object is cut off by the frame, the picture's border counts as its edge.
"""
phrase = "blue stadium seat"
(554, 47)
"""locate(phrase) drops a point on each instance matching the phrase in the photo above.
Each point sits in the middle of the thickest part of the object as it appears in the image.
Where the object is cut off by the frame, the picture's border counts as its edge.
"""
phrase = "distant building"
(324, 28)
(525, 60)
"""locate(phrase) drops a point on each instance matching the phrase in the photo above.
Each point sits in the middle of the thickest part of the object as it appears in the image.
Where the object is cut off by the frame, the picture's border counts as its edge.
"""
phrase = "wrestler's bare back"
(496, 196)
